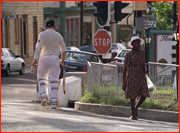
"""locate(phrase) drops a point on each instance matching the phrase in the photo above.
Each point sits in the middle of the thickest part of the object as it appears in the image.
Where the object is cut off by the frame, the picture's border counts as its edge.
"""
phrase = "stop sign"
(102, 42)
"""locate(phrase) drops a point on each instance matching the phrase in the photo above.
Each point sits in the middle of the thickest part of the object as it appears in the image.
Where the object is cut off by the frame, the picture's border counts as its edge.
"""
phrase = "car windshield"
(123, 53)
(77, 57)
(114, 46)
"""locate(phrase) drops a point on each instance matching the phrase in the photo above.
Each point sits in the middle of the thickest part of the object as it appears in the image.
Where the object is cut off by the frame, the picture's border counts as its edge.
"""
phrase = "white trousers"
(49, 68)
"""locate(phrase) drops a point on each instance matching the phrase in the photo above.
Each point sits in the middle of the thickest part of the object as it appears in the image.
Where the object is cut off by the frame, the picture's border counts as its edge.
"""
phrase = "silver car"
(116, 48)
(121, 55)
(11, 62)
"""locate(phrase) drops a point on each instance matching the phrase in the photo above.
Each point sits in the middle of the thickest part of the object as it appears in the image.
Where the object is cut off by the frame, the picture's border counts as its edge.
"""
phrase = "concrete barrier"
(122, 111)
(82, 75)
(73, 91)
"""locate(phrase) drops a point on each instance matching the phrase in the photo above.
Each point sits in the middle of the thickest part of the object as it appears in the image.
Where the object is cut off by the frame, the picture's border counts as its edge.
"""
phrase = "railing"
(164, 78)
(109, 78)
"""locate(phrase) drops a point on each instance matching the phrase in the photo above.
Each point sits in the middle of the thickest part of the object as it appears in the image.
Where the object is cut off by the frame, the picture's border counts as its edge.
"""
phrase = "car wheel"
(7, 71)
(22, 70)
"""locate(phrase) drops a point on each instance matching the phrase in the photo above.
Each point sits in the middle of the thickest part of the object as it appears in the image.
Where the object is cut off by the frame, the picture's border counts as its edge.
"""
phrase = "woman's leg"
(142, 99)
(132, 101)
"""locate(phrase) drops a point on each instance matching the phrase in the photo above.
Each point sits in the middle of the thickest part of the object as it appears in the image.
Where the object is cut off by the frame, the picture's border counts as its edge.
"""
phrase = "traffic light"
(118, 6)
(101, 12)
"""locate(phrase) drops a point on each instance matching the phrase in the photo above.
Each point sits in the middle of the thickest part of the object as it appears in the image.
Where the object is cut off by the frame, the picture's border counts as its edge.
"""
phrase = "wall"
(25, 10)
(51, 4)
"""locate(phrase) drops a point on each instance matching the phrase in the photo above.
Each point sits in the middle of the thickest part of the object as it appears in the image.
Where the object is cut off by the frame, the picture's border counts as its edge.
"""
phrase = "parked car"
(88, 48)
(72, 48)
(116, 48)
(11, 62)
(77, 61)
(121, 55)
(69, 48)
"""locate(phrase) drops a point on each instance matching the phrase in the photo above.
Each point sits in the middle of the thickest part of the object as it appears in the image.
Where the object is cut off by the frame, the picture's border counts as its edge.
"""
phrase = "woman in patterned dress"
(134, 80)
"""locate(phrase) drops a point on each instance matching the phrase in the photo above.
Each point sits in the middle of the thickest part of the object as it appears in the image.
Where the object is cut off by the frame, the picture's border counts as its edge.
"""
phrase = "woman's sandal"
(133, 117)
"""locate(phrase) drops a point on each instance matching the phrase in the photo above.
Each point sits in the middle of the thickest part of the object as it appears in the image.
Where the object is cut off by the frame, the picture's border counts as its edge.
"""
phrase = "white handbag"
(151, 86)
(33, 70)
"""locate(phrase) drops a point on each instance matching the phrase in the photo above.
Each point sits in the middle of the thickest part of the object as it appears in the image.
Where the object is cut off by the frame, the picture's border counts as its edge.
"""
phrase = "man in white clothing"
(47, 51)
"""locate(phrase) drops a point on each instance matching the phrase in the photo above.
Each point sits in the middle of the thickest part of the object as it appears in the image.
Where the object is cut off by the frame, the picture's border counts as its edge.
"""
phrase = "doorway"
(24, 36)
(34, 33)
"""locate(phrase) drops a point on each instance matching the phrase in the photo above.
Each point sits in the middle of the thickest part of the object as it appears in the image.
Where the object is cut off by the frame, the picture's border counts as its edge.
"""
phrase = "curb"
(122, 111)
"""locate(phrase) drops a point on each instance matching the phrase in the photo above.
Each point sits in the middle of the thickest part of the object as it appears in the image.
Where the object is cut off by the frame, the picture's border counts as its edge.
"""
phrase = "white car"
(11, 62)
(116, 48)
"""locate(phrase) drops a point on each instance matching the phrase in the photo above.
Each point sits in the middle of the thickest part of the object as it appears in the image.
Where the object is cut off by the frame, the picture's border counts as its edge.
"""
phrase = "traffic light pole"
(82, 14)
(108, 27)
(177, 49)
(177, 68)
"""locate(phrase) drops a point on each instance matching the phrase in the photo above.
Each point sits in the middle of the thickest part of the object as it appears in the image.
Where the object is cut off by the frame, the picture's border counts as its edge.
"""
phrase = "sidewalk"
(122, 111)
(28, 61)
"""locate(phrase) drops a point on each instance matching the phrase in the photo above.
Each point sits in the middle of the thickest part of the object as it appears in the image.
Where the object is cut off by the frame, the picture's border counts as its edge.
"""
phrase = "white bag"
(151, 86)
(33, 70)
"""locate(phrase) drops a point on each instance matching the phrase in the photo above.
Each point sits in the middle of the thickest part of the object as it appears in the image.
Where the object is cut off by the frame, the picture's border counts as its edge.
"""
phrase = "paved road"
(21, 113)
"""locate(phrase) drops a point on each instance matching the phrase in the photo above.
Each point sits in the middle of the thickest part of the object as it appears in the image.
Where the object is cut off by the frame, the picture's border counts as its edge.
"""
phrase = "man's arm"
(63, 55)
(37, 52)
(63, 50)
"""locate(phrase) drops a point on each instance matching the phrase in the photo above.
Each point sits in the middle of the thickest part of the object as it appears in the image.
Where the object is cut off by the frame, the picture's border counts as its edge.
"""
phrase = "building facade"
(21, 21)
(70, 21)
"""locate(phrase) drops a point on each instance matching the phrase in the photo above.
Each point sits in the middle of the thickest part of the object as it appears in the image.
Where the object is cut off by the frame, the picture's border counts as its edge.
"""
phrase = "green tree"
(164, 14)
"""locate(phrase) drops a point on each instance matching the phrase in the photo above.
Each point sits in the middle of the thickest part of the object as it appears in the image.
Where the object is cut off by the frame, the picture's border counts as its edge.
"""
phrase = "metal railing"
(163, 77)
(108, 78)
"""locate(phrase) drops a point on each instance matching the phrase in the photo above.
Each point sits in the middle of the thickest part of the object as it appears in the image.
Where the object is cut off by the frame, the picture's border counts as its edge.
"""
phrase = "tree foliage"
(164, 14)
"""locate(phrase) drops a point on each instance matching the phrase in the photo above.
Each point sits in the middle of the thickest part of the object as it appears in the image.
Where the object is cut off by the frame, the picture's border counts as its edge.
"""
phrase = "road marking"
(129, 126)
(32, 113)
(67, 108)
(53, 115)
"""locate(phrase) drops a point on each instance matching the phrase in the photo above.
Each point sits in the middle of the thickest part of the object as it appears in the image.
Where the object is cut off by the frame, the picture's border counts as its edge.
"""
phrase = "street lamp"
(148, 38)
(176, 33)
(147, 41)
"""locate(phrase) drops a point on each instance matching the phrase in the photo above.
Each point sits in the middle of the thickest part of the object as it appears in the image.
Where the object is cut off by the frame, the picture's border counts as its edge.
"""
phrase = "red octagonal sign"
(102, 42)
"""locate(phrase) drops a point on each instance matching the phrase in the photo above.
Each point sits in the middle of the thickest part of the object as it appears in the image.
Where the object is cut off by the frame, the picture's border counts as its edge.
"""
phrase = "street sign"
(102, 41)
(8, 14)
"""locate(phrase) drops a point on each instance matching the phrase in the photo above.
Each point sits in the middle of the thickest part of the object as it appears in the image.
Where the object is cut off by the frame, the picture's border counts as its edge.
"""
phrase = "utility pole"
(174, 15)
(177, 48)
(82, 24)
(136, 15)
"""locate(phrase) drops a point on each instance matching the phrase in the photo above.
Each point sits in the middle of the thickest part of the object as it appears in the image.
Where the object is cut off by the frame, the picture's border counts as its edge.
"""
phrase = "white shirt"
(48, 43)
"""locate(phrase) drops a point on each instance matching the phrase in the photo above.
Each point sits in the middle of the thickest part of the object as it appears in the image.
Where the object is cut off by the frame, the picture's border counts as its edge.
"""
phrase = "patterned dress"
(136, 80)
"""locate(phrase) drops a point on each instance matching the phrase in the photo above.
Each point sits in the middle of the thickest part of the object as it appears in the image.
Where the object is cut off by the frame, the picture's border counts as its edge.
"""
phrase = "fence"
(108, 78)
(164, 78)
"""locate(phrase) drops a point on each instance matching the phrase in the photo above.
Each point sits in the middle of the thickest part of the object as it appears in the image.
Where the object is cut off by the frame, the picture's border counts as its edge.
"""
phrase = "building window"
(87, 33)
(16, 30)
(72, 32)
